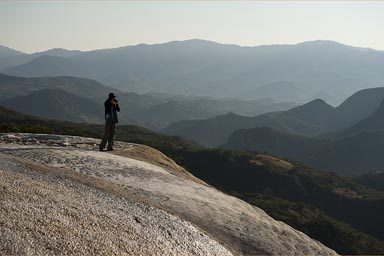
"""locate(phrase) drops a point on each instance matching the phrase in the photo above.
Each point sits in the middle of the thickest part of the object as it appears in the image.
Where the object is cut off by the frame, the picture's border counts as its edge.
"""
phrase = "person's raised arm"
(116, 104)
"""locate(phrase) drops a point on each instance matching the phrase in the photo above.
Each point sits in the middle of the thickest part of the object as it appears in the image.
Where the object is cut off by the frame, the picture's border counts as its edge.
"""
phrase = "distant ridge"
(206, 41)
(205, 68)
(17, 86)
(374, 122)
(316, 111)
(9, 52)
(59, 52)
(360, 105)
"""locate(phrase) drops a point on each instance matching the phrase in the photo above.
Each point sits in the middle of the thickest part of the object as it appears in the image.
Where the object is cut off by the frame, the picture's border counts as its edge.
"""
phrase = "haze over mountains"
(57, 104)
(305, 120)
(151, 110)
(310, 119)
(203, 68)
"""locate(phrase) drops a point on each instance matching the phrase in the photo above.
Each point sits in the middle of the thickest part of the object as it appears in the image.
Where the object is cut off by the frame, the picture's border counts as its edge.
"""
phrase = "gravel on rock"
(44, 216)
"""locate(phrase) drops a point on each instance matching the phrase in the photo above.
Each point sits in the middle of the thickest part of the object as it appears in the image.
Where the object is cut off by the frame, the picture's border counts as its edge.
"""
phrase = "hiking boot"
(110, 149)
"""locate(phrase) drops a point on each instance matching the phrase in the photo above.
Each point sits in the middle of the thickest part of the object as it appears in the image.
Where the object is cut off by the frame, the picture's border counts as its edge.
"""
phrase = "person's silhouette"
(111, 108)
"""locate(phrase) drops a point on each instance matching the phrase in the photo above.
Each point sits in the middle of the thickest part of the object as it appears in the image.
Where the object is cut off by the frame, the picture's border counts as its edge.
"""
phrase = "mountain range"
(6, 52)
(11, 86)
(203, 68)
(314, 118)
(153, 111)
(10, 57)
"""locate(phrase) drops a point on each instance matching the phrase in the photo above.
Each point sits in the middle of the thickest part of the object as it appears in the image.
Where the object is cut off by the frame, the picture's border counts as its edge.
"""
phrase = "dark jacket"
(111, 111)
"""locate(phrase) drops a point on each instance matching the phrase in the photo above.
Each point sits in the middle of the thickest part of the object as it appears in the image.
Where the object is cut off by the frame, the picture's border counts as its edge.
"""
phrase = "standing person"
(111, 109)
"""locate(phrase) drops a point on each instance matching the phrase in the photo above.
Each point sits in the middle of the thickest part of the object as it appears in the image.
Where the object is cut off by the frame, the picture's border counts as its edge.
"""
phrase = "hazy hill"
(53, 66)
(8, 52)
(212, 131)
(280, 91)
(307, 119)
(200, 68)
(175, 110)
(17, 58)
(306, 199)
(316, 112)
(11, 86)
(59, 52)
(57, 104)
(179, 108)
(374, 122)
(268, 140)
(357, 107)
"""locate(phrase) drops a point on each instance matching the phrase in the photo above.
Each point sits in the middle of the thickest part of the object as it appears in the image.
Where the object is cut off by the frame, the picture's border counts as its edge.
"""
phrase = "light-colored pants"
(109, 134)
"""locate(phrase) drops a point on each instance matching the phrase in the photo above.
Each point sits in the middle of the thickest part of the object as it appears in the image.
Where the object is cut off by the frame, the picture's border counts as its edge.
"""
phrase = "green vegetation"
(374, 180)
(10, 127)
(349, 155)
(27, 128)
(310, 220)
(12, 121)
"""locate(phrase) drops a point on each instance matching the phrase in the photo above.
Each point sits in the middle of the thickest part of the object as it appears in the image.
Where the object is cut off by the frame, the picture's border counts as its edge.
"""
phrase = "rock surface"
(59, 195)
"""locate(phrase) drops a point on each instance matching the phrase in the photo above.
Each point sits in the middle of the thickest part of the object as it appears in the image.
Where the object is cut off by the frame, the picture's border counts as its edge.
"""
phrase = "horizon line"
(194, 39)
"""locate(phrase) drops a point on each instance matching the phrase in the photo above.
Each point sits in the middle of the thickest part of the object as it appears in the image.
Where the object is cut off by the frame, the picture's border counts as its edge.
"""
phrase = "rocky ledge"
(60, 195)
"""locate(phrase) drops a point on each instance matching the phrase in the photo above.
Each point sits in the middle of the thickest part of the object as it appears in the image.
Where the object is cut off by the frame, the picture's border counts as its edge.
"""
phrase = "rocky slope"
(59, 195)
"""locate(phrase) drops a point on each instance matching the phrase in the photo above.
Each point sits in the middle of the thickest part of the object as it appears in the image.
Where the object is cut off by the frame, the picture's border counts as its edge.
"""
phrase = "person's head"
(111, 95)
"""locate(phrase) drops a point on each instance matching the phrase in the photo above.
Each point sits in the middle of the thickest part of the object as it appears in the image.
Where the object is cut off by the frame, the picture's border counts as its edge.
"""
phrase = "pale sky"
(40, 25)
